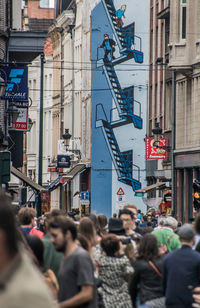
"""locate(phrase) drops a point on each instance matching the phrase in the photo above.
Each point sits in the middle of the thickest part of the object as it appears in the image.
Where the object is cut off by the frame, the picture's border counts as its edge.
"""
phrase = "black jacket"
(148, 281)
(181, 273)
(112, 43)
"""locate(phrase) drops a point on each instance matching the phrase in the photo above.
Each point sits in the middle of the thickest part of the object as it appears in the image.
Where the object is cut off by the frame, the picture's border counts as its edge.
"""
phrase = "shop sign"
(153, 152)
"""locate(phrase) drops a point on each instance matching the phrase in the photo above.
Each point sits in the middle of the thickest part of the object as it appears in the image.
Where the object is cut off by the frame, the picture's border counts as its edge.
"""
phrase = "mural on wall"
(120, 109)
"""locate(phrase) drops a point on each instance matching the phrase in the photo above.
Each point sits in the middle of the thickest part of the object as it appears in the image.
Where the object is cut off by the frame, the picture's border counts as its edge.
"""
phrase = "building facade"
(173, 96)
(159, 94)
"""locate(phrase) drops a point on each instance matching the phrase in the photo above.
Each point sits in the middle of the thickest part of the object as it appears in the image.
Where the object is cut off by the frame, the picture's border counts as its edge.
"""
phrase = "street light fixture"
(157, 132)
(30, 124)
(67, 137)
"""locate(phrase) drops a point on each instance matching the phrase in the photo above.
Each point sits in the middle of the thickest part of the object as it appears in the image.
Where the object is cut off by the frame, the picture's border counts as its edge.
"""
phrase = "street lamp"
(67, 137)
(157, 132)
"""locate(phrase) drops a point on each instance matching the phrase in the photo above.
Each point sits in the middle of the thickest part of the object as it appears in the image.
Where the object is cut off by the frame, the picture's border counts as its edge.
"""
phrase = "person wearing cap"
(167, 240)
(181, 271)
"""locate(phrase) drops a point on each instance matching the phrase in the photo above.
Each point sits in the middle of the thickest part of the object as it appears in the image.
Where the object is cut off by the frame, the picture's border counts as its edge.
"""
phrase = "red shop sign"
(153, 152)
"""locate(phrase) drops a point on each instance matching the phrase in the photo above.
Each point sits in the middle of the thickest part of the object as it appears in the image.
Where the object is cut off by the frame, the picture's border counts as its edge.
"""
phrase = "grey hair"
(186, 233)
(171, 222)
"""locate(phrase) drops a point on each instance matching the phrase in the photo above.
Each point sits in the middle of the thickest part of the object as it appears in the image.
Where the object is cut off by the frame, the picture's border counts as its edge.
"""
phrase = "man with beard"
(76, 274)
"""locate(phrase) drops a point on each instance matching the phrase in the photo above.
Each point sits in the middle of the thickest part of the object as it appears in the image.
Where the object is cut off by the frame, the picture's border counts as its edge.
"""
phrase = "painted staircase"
(124, 104)
(122, 165)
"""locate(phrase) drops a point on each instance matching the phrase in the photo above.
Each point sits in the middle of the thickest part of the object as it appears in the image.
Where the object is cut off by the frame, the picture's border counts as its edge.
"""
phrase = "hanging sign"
(153, 152)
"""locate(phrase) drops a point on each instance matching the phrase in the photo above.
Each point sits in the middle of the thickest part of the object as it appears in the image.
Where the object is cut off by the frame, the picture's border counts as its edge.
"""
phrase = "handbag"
(158, 302)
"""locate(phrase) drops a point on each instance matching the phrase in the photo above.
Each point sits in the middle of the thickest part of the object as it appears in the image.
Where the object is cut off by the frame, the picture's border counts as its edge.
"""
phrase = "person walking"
(21, 284)
(52, 258)
(146, 279)
(27, 216)
(181, 271)
(167, 240)
(76, 274)
(114, 273)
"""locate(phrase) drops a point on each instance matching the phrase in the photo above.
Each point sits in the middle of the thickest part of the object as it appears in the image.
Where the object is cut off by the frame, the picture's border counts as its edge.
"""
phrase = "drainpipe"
(40, 158)
(61, 108)
(173, 116)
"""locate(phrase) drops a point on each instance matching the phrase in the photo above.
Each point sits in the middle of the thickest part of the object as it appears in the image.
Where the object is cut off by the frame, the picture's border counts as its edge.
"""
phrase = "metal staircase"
(125, 37)
(124, 102)
(122, 161)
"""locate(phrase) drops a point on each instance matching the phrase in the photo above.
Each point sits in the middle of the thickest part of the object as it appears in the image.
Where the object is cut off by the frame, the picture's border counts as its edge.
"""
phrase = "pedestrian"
(27, 217)
(146, 279)
(86, 228)
(109, 47)
(37, 248)
(197, 230)
(133, 209)
(114, 273)
(21, 284)
(103, 224)
(128, 219)
(76, 274)
(167, 240)
(181, 271)
(52, 258)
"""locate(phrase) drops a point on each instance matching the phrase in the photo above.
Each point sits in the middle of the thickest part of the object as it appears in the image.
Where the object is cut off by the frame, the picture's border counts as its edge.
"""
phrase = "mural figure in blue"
(109, 47)
(119, 14)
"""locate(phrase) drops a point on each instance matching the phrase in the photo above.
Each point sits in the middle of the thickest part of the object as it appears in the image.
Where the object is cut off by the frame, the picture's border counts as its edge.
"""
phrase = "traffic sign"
(139, 194)
(120, 192)
(85, 195)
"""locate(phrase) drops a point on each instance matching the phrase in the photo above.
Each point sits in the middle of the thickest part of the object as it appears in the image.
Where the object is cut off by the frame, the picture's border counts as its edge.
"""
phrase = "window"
(183, 19)
(47, 4)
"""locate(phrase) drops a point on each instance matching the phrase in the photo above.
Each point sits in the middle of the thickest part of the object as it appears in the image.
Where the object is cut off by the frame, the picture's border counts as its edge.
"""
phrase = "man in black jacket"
(181, 271)
(109, 47)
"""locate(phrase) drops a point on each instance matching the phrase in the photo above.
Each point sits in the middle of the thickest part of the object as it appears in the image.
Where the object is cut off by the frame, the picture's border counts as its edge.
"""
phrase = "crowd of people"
(131, 260)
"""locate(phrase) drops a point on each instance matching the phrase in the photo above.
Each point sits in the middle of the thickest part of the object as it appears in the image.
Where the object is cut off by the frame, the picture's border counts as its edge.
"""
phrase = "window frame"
(183, 22)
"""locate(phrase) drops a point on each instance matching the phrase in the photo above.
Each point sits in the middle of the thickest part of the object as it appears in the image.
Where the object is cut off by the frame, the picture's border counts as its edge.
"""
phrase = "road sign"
(120, 192)
(85, 202)
(139, 194)
(85, 195)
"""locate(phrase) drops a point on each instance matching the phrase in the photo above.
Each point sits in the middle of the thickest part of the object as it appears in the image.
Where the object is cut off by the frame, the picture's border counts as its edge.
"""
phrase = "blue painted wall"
(104, 179)
(101, 177)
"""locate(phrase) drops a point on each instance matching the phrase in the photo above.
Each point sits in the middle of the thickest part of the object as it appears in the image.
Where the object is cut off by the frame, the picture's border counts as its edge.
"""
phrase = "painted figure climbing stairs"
(125, 36)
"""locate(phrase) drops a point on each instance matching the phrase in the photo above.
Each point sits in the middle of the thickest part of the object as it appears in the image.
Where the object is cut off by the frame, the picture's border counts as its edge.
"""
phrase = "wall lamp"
(67, 137)
(157, 135)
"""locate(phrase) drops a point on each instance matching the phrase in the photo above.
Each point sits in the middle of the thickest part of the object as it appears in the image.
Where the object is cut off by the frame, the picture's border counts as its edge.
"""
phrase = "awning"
(75, 170)
(55, 183)
(158, 185)
(26, 179)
